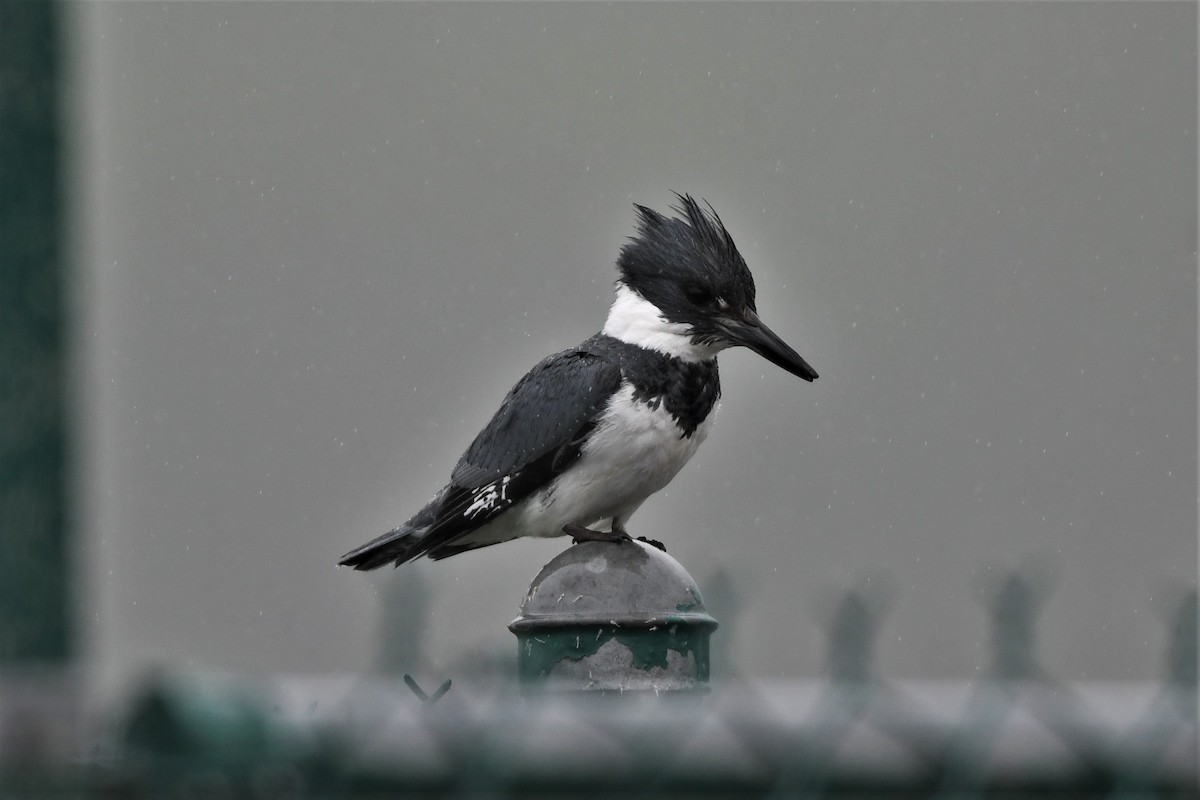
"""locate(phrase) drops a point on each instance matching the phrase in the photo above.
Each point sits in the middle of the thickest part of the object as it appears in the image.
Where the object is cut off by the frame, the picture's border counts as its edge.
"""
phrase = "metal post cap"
(613, 617)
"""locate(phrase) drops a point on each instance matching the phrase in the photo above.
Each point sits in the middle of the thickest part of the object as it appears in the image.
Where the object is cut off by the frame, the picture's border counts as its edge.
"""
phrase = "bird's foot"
(579, 533)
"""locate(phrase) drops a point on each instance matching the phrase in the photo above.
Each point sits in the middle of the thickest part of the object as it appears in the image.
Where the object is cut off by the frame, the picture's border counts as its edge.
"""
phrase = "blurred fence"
(1016, 732)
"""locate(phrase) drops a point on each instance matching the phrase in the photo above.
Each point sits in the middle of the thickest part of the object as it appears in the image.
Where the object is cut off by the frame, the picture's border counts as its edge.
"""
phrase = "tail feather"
(399, 545)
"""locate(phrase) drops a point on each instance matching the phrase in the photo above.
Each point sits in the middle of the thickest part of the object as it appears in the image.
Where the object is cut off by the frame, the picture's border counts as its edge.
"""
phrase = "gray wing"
(542, 421)
(537, 433)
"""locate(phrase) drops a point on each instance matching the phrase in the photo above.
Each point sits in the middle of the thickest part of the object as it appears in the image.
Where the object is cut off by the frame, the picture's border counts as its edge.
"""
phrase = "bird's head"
(697, 285)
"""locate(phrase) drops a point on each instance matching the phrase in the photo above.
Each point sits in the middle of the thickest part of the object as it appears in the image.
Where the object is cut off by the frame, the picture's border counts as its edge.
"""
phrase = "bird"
(588, 434)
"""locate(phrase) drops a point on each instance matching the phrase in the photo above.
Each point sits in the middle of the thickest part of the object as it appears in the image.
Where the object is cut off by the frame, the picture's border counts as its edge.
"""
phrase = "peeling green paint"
(540, 651)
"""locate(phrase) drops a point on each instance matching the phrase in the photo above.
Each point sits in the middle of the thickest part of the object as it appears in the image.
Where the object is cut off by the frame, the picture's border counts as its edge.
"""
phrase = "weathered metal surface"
(603, 617)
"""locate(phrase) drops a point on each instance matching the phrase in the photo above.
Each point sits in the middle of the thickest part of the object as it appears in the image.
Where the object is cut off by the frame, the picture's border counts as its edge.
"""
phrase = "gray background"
(318, 242)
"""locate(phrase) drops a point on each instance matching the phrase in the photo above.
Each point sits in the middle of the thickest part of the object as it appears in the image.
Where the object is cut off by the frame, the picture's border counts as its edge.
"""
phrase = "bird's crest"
(696, 242)
(707, 226)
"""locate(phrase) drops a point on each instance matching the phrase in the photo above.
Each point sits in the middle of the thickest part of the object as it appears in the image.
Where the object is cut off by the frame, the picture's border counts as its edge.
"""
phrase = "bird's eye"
(699, 296)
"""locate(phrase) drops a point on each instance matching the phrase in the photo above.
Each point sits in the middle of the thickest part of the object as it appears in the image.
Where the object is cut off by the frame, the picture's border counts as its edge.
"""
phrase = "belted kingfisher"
(591, 432)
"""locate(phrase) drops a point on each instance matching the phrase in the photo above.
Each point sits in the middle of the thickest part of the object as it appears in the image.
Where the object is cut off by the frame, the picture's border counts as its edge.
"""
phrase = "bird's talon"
(653, 543)
(579, 534)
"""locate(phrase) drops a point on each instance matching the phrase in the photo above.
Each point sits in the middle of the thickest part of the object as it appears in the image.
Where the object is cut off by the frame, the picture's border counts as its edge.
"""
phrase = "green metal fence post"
(605, 618)
(34, 574)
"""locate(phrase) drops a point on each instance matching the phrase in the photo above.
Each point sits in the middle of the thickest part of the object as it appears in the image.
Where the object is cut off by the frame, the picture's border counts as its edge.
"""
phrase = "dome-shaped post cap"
(605, 617)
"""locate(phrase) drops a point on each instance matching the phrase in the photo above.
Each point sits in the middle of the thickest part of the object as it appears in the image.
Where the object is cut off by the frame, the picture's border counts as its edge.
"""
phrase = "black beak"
(750, 331)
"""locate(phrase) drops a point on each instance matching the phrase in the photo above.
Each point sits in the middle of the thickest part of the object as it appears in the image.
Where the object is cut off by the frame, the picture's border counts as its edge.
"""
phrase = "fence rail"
(296, 736)
(1017, 732)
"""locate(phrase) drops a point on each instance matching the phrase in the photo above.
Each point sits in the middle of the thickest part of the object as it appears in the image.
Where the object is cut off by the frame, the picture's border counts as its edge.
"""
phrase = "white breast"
(635, 450)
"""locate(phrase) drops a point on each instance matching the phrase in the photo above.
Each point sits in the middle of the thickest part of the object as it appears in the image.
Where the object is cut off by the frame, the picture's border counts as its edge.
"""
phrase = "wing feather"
(547, 409)
(537, 433)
